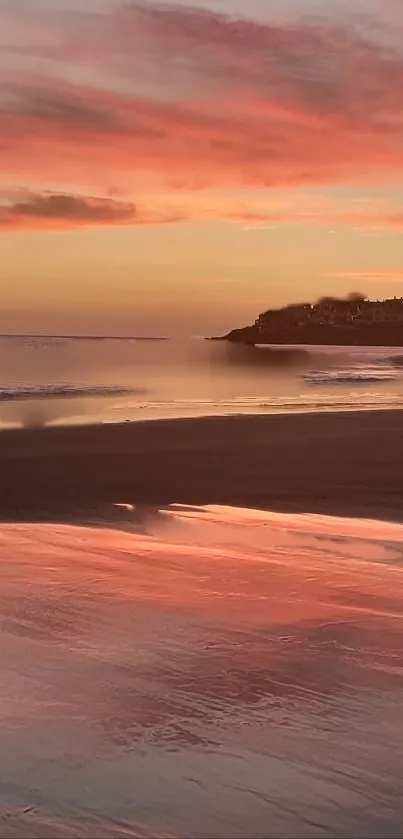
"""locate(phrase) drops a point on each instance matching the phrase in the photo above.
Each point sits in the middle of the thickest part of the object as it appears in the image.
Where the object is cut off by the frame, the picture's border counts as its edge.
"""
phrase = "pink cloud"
(199, 101)
(328, 217)
(71, 128)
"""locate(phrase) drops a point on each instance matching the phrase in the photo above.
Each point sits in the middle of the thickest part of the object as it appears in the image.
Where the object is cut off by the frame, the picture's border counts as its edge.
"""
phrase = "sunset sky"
(175, 168)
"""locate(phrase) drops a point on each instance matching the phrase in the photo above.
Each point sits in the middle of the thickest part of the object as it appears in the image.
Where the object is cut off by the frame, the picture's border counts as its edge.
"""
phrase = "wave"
(396, 360)
(62, 391)
(304, 403)
(358, 375)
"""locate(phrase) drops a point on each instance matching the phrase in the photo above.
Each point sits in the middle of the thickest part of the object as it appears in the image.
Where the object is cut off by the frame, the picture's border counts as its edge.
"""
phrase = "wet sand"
(341, 463)
(214, 672)
(227, 673)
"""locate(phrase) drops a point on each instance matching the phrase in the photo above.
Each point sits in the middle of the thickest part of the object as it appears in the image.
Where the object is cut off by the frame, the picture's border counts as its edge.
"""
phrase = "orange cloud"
(378, 276)
(49, 210)
(328, 217)
(193, 100)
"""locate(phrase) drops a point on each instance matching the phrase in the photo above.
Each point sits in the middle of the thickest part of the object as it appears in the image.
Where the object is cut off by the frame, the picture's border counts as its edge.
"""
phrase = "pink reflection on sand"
(239, 565)
(228, 668)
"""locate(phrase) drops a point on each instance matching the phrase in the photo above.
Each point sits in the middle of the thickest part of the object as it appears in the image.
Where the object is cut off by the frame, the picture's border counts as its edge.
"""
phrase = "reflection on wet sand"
(210, 672)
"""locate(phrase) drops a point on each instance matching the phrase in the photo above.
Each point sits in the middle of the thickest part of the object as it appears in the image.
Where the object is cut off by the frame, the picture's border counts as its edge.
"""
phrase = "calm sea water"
(45, 380)
(202, 673)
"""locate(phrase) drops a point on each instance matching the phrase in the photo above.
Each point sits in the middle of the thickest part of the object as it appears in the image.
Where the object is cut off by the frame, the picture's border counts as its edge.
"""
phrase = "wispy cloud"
(47, 210)
(370, 276)
(174, 97)
(328, 216)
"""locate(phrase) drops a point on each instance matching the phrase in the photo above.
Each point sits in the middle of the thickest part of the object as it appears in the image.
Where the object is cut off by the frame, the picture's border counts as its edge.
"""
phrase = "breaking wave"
(359, 375)
(60, 391)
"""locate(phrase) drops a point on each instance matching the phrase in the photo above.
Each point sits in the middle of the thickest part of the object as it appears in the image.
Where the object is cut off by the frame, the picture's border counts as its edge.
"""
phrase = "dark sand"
(210, 674)
(340, 464)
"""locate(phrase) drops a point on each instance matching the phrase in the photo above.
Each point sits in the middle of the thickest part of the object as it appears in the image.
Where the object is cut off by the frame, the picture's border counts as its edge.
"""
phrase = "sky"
(178, 167)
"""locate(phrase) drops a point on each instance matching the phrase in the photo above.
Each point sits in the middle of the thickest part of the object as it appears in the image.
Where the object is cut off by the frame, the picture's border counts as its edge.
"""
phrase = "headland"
(350, 321)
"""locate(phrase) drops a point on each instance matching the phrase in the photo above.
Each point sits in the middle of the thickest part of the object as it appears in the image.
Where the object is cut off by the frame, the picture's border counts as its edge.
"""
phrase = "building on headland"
(354, 310)
(383, 311)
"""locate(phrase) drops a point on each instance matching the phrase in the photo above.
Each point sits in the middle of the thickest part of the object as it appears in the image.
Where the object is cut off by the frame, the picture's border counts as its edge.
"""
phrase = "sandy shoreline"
(207, 672)
(224, 673)
(340, 464)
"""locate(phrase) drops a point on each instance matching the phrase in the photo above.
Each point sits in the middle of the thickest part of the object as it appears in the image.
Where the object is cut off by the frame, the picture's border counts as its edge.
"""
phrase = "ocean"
(202, 672)
(74, 380)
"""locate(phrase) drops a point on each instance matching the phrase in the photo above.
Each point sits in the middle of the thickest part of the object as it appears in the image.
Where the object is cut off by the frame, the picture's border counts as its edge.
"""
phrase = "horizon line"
(86, 337)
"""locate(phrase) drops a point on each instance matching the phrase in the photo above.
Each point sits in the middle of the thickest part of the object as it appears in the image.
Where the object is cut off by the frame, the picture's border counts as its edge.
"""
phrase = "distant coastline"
(391, 336)
(350, 321)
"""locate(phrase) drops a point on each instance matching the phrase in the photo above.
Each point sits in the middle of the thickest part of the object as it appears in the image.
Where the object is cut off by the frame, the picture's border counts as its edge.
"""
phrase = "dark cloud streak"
(70, 209)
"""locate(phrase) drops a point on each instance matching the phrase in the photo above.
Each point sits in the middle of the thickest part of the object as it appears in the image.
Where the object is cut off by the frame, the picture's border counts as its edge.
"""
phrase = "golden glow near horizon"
(209, 188)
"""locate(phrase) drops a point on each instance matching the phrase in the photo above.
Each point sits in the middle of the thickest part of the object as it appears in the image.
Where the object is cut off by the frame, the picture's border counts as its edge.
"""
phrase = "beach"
(201, 628)
(207, 672)
(348, 464)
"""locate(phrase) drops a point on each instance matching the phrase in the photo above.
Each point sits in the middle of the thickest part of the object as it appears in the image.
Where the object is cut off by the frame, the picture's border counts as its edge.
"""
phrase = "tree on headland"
(352, 297)
(357, 297)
